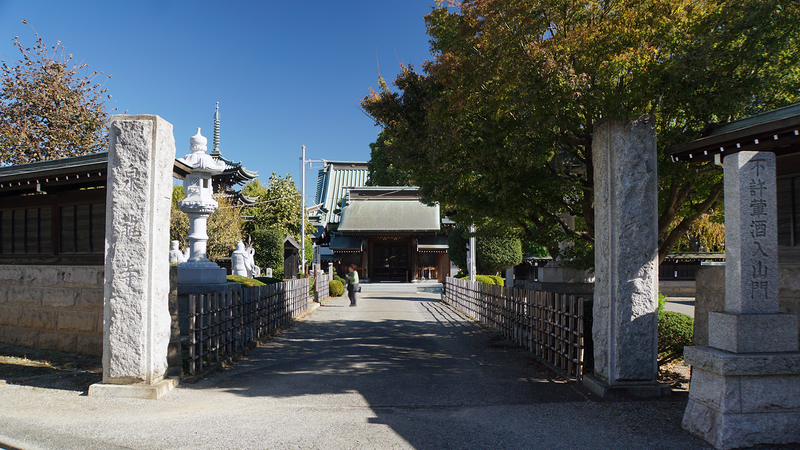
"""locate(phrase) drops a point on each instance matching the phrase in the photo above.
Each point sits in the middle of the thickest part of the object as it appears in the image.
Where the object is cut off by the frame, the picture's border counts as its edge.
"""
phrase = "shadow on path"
(437, 379)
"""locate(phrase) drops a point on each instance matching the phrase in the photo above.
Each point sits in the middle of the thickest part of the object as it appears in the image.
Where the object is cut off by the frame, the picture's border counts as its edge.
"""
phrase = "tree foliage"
(50, 106)
(382, 170)
(268, 244)
(281, 210)
(499, 125)
(495, 252)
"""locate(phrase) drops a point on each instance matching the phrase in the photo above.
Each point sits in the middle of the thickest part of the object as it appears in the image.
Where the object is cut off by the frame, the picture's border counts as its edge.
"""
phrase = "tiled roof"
(333, 181)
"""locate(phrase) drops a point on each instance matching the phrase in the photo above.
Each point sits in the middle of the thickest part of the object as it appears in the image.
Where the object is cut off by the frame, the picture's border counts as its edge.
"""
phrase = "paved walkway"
(398, 371)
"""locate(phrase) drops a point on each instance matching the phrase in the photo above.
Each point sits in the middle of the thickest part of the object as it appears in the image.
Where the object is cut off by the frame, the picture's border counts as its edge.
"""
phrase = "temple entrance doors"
(390, 261)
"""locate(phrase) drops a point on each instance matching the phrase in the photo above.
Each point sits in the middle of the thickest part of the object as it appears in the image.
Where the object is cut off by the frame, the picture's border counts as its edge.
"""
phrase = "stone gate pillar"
(626, 260)
(745, 387)
(136, 319)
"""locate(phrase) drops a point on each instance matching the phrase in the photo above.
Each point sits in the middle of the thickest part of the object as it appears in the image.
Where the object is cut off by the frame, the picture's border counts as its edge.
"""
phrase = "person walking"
(352, 284)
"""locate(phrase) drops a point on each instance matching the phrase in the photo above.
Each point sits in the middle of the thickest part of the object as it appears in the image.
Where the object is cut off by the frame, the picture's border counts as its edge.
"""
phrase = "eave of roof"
(777, 131)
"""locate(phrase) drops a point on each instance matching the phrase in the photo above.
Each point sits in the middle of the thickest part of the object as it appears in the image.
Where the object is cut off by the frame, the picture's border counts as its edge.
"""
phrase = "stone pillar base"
(201, 273)
(626, 390)
(741, 400)
(143, 391)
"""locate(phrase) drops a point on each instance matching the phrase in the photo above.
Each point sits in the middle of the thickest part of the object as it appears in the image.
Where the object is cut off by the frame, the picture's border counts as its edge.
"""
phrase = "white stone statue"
(240, 261)
(251, 253)
(175, 254)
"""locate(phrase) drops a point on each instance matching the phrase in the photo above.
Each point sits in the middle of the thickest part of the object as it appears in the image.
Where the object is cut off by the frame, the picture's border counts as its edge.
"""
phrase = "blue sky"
(285, 74)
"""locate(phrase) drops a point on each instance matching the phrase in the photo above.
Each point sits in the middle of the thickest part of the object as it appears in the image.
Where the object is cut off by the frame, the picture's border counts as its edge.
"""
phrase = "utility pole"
(472, 252)
(303, 210)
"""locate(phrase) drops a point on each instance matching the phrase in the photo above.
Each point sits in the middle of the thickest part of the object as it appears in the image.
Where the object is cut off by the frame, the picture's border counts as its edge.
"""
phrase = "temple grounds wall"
(52, 307)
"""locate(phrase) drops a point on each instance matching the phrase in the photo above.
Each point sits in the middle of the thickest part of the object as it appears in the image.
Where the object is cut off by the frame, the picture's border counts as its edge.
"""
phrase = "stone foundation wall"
(677, 288)
(52, 307)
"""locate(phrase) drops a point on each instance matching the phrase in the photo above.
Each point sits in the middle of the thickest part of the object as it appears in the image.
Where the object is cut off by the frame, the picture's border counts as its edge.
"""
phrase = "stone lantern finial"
(198, 142)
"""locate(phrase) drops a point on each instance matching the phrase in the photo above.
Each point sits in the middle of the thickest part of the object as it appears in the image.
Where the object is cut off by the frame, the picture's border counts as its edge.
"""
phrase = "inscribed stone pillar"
(136, 326)
(745, 386)
(626, 259)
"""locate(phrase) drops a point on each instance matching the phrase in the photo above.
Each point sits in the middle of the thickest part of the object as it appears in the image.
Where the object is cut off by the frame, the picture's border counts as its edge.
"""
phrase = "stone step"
(404, 288)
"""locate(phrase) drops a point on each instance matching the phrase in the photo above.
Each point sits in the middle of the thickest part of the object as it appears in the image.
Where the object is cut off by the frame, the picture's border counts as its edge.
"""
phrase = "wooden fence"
(221, 324)
(548, 324)
(322, 289)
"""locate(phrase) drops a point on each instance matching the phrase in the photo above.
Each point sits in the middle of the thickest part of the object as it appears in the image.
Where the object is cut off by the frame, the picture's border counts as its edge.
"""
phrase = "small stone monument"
(268, 272)
(198, 205)
(136, 318)
(175, 254)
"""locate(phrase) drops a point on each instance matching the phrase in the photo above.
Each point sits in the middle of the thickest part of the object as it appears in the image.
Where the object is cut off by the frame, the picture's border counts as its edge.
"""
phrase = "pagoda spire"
(216, 151)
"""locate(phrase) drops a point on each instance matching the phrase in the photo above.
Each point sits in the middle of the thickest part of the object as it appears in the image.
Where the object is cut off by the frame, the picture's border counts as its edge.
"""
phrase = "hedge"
(675, 331)
(488, 279)
(493, 253)
(244, 281)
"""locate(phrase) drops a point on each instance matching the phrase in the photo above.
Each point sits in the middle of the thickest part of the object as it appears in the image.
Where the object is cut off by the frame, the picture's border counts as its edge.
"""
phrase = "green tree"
(499, 125)
(279, 209)
(268, 244)
(382, 170)
(496, 250)
(50, 106)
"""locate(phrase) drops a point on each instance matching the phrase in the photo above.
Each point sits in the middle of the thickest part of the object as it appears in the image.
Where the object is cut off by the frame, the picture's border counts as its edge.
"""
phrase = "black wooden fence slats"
(221, 324)
(550, 325)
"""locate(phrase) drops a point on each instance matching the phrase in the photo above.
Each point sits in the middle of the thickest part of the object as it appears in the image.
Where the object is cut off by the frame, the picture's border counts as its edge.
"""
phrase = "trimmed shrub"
(498, 280)
(493, 253)
(675, 331)
(244, 281)
(336, 287)
(488, 279)
(340, 279)
(268, 244)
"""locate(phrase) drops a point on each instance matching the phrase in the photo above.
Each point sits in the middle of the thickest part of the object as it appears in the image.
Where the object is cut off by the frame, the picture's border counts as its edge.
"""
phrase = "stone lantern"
(198, 205)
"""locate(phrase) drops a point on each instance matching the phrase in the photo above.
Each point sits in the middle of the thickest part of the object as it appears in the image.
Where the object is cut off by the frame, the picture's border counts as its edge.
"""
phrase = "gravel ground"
(398, 371)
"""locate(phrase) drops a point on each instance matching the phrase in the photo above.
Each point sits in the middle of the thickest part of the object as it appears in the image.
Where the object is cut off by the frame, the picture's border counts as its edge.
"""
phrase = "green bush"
(493, 253)
(268, 280)
(675, 331)
(498, 280)
(340, 279)
(488, 279)
(336, 287)
(268, 244)
(244, 281)
(662, 301)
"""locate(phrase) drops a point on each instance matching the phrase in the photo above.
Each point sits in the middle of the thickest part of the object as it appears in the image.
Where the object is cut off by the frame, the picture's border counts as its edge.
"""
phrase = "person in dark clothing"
(352, 284)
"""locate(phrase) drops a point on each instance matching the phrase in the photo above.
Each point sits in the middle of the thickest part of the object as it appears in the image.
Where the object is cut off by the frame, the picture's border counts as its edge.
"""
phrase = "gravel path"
(398, 371)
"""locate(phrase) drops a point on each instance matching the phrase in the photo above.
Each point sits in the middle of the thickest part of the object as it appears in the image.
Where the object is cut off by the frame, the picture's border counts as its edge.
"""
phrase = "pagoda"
(233, 176)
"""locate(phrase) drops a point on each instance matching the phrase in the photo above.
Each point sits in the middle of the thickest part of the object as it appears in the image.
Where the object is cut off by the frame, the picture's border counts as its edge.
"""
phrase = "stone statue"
(175, 255)
(240, 261)
(251, 253)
